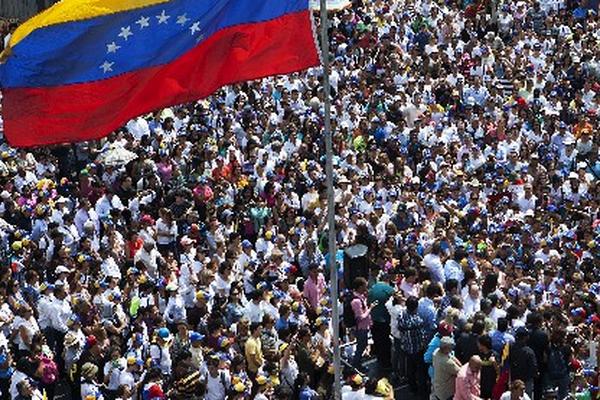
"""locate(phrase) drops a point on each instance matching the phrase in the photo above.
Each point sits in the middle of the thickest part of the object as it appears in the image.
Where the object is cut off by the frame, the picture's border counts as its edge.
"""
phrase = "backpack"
(154, 363)
(349, 317)
(49, 370)
(557, 363)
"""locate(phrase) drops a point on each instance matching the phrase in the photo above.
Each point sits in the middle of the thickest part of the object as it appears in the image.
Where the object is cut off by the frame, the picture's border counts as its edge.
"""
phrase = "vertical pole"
(335, 322)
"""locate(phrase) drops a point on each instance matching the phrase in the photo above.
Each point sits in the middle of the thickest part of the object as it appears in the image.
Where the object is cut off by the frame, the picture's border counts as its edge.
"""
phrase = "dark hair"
(485, 341)
(456, 302)
(489, 284)
(535, 319)
(478, 327)
(359, 282)
(502, 324)
(412, 303)
(410, 272)
(254, 326)
(451, 284)
(432, 290)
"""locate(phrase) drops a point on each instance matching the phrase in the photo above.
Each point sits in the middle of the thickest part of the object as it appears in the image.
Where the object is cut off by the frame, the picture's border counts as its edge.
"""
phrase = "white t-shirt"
(163, 356)
(165, 234)
(506, 396)
(215, 386)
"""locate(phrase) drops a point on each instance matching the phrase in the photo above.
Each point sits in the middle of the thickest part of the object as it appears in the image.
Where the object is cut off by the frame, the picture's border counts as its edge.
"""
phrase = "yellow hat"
(239, 387)
(357, 379)
(262, 380)
(283, 346)
(17, 246)
(464, 262)
(268, 235)
(384, 387)
(275, 380)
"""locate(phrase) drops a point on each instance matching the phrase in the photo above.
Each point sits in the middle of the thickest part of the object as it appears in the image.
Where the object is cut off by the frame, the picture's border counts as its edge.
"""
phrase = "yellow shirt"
(254, 355)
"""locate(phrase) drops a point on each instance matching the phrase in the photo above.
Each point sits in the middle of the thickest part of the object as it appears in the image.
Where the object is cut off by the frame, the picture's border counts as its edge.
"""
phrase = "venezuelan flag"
(83, 68)
(504, 374)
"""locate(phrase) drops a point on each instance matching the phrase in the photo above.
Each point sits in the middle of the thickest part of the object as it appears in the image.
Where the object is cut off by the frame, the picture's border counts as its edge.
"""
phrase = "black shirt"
(539, 343)
(523, 363)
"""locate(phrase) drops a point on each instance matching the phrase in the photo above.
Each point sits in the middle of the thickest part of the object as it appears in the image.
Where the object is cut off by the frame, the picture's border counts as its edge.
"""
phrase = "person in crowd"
(413, 339)
(523, 362)
(445, 369)
(191, 242)
(467, 384)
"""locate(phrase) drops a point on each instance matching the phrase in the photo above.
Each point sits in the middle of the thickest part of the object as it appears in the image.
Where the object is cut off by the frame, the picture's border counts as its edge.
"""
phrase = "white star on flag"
(163, 17)
(125, 33)
(195, 27)
(107, 66)
(143, 22)
(112, 47)
(182, 19)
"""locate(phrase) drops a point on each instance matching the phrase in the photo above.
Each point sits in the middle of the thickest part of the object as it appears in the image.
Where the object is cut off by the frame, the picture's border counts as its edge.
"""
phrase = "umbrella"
(116, 156)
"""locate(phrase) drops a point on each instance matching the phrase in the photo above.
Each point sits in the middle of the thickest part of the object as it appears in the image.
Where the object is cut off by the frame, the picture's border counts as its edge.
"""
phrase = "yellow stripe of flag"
(76, 10)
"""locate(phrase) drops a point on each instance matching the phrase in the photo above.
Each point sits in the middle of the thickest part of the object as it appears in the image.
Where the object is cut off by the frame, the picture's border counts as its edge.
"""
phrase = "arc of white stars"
(107, 66)
(143, 22)
(112, 47)
(163, 17)
(195, 27)
(182, 19)
(125, 33)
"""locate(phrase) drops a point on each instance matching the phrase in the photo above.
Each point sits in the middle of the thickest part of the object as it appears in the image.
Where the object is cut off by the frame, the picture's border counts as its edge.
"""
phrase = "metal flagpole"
(337, 388)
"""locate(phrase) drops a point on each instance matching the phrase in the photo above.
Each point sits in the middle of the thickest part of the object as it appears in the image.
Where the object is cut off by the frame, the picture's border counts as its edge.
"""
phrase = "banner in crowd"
(83, 68)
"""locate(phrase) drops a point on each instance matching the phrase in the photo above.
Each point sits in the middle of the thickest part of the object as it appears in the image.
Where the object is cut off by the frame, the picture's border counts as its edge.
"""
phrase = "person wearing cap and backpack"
(160, 355)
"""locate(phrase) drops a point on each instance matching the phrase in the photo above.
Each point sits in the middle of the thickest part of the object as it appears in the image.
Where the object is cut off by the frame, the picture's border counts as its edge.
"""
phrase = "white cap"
(61, 269)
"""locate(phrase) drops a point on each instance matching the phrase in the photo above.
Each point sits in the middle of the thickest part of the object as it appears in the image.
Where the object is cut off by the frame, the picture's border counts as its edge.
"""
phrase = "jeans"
(416, 374)
(399, 360)
(562, 384)
(382, 344)
(362, 337)
(529, 388)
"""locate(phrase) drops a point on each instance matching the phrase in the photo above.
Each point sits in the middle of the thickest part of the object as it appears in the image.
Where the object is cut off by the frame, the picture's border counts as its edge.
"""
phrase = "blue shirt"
(308, 394)
(453, 270)
(427, 312)
(499, 339)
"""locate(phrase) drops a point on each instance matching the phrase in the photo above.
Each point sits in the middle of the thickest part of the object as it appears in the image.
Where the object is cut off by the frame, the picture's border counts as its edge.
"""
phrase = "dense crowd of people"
(466, 161)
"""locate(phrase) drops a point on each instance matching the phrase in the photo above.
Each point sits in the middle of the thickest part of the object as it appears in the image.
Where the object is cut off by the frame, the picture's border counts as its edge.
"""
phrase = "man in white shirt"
(84, 214)
(107, 203)
(138, 128)
(255, 310)
(526, 200)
